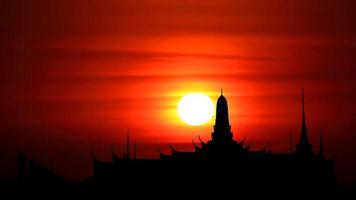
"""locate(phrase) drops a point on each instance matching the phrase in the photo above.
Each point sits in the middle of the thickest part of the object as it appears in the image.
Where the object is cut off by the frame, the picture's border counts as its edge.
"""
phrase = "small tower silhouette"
(127, 153)
(304, 147)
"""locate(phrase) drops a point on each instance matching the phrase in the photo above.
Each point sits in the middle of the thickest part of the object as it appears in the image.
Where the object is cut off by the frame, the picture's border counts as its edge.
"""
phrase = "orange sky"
(75, 75)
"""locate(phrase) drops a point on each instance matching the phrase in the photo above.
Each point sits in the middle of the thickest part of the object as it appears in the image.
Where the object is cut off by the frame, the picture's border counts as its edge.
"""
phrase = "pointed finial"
(221, 92)
(201, 141)
(303, 99)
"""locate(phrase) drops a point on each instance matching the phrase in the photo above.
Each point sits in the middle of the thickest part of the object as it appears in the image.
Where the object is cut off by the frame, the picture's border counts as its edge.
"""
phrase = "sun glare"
(195, 109)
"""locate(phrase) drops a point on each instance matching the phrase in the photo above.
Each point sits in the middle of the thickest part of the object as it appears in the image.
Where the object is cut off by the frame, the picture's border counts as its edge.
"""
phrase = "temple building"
(222, 146)
(223, 158)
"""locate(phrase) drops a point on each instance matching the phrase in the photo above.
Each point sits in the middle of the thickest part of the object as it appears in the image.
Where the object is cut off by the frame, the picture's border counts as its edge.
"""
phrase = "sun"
(195, 109)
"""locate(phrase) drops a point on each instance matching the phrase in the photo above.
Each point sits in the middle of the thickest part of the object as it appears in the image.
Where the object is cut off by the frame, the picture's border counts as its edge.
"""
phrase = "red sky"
(75, 75)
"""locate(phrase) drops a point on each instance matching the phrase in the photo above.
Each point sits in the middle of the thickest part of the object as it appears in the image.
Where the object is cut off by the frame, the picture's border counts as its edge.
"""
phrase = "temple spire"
(304, 147)
(222, 129)
(221, 92)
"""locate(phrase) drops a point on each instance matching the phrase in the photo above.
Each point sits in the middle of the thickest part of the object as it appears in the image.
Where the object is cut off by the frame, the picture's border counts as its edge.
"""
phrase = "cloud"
(43, 19)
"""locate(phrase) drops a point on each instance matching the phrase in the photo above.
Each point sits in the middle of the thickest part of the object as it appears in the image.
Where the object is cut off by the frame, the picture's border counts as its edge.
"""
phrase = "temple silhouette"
(222, 166)
(221, 159)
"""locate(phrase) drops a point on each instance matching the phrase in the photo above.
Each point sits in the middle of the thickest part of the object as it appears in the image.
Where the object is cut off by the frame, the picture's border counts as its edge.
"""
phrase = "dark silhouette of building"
(223, 164)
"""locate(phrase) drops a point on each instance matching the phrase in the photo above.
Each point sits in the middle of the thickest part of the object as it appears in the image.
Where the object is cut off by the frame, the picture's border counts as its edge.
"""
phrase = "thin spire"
(304, 146)
(304, 135)
(128, 144)
(291, 142)
(303, 100)
(303, 116)
(221, 92)
(321, 150)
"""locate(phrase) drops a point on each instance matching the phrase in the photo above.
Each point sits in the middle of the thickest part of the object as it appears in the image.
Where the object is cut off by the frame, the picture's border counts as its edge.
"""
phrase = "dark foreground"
(182, 183)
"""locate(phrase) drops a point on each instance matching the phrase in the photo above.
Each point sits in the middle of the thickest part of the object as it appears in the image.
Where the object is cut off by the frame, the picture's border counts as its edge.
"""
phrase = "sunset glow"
(79, 74)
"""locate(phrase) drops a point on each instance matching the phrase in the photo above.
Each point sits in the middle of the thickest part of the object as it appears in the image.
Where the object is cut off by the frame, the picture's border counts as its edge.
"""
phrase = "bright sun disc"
(195, 109)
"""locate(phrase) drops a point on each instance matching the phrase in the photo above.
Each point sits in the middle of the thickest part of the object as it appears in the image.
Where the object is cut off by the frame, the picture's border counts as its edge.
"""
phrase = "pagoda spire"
(304, 147)
(222, 129)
